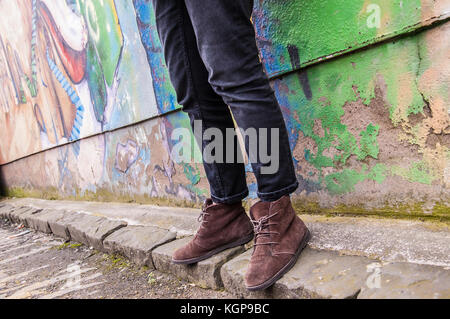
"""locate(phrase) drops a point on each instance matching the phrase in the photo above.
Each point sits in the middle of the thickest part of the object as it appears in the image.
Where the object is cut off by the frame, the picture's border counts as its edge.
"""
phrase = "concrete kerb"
(59, 224)
(137, 243)
(407, 281)
(92, 230)
(317, 274)
(5, 209)
(204, 274)
(133, 242)
(383, 239)
(40, 220)
(20, 214)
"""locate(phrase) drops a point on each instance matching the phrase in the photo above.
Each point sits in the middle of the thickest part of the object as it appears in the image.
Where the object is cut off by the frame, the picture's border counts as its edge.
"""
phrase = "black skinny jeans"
(212, 57)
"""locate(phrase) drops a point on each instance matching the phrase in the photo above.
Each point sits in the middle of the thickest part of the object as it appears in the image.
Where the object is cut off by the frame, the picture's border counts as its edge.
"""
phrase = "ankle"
(214, 202)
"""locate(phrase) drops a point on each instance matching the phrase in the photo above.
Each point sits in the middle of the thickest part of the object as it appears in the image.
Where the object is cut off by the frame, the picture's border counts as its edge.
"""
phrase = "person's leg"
(224, 223)
(190, 80)
(227, 45)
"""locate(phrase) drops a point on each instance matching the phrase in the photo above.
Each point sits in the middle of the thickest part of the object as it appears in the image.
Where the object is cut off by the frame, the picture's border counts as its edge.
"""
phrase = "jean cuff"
(276, 195)
(230, 199)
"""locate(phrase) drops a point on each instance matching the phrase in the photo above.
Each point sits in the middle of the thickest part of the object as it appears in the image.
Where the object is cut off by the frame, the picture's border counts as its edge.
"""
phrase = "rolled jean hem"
(273, 196)
(230, 199)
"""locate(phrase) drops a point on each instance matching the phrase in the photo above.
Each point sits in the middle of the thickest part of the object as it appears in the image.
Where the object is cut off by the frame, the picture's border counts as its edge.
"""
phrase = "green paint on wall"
(325, 27)
(96, 83)
(104, 33)
(192, 173)
(345, 181)
(416, 172)
(369, 144)
(337, 86)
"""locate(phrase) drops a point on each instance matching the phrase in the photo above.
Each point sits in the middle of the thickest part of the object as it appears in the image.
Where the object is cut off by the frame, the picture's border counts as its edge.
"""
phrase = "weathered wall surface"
(87, 110)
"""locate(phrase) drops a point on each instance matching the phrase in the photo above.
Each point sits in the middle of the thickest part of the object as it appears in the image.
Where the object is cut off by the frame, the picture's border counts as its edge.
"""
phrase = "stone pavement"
(346, 258)
(35, 265)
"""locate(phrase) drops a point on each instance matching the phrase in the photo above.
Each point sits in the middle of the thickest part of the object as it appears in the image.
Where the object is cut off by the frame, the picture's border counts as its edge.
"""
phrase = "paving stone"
(92, 230)
(137, 242)
(317, 274)
(5, 209)
(205, 274)
(383, 239)
(7, 212)
(13, 214)
(182, 220)
(407, 281)
(40, 220)
(20, 214)
(59, 223)
(232, 274)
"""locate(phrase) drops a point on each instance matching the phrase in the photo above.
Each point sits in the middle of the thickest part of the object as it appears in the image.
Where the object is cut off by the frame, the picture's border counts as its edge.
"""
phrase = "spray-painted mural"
(84, 86)
(71, 69)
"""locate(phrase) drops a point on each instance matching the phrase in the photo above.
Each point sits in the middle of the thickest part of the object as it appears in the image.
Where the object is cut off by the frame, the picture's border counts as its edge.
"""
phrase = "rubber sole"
(239, 242)
(286, 268)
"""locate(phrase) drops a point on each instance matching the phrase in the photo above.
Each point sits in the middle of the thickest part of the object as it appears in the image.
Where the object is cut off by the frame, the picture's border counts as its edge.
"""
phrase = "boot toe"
(185, 253)
(180, 254)
(261, 270)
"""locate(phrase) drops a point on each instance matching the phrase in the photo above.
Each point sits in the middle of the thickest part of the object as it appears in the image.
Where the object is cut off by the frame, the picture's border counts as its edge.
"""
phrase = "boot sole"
(211, 253)
(286, 268)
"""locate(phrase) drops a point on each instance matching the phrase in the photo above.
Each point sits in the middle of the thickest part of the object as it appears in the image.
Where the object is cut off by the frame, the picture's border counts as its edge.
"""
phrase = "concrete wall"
(87, 110)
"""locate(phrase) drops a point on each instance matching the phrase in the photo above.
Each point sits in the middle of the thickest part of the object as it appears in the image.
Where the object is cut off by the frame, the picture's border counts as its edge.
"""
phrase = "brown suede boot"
(223, 226)
(280, 236)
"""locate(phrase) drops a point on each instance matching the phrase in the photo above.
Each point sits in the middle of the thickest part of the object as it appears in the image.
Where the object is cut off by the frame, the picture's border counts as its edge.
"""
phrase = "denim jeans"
(212, 57)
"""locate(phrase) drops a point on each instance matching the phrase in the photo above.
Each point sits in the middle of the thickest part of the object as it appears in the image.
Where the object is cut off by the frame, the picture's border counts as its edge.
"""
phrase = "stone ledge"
(137, 243)
(92, 230)
(20, 214)
(327, 274)
(5, 209)
(205, 274)
(59, 224)
(407, 281)
(181, 220)
(317, 274)
(383, 239)
(40, 221)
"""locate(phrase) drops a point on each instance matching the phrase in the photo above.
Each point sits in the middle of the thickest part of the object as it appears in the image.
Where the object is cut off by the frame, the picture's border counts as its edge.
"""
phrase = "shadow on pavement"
(3, 192)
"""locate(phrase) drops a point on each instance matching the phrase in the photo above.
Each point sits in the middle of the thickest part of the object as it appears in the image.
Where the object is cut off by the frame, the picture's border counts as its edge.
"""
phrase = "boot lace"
(259, 226)
(201, 217)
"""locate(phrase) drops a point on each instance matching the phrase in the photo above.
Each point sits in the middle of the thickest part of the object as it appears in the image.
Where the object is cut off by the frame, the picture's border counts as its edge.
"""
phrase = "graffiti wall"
(72, 69)
(87, 108)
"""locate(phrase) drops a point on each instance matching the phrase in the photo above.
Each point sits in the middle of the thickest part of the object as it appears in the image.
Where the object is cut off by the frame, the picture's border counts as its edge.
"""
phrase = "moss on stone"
(439, 212)
(416, 211)
(19, 192)
(101, 195)
(68, 245)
